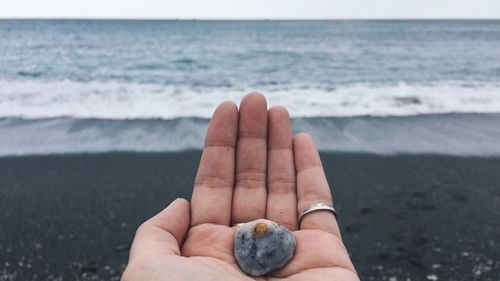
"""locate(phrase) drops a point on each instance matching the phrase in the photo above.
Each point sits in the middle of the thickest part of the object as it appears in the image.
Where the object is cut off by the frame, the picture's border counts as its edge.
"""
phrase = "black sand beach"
(408, 217)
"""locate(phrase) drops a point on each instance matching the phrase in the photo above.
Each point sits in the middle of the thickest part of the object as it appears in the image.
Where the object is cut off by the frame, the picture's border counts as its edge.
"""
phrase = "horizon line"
(250, 19)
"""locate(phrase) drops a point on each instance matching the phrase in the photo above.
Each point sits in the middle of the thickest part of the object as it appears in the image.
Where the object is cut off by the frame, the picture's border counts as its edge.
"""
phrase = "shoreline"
(447, 134)
(401, 216)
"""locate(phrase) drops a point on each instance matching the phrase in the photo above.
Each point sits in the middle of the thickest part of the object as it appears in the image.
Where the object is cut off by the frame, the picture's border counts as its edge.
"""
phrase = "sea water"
(69, 86)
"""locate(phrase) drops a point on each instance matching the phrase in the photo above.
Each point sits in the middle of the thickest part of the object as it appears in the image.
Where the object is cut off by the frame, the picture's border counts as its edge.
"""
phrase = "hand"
(251, 168)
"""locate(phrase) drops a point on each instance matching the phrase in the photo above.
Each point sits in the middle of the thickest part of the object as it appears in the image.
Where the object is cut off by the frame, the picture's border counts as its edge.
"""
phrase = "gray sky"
(253, 9)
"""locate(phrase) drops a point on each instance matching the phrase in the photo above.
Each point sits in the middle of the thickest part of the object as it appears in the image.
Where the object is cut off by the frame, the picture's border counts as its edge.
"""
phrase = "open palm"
(251, 167)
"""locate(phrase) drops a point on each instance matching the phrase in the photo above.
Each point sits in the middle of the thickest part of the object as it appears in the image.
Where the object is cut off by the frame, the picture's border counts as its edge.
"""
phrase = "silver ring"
(317, 207)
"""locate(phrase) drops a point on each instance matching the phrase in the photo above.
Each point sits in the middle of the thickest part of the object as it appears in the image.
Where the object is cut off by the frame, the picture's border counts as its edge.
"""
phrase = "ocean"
(384, 87)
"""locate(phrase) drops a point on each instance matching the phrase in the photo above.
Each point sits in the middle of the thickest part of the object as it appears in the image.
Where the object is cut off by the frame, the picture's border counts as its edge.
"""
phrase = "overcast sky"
(250, 9)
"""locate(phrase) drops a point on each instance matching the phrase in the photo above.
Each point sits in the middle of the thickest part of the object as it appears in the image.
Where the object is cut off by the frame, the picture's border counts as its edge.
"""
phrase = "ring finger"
(281, 191)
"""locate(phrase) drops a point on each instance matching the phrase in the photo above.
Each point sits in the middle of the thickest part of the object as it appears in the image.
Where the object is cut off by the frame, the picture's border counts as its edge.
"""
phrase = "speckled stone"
(262, 246)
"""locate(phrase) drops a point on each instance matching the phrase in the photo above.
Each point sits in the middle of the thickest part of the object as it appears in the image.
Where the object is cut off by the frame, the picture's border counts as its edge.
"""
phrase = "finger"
(312, 186)
(249, 199)
(281, 192)
(213, 187)
(163, 233)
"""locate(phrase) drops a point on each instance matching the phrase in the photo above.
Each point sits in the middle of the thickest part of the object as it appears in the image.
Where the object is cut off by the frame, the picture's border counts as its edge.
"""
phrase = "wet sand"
(408, 217)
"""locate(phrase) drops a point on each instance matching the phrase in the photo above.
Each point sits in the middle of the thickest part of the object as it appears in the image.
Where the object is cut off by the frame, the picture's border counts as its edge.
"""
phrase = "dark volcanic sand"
(403, 217)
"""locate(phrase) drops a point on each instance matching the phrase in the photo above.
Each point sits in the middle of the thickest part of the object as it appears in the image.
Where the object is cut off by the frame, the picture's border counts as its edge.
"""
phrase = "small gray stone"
(262, 246)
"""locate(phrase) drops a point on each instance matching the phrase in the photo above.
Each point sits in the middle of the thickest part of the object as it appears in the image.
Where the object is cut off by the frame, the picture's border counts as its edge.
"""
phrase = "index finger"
(213, 187)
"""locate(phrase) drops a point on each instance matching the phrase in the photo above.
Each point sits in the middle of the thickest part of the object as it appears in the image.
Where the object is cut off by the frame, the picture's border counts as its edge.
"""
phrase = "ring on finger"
(317, 207)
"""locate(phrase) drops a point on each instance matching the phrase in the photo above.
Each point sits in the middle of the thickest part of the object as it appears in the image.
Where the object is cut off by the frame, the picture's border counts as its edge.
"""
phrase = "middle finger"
(249, 198)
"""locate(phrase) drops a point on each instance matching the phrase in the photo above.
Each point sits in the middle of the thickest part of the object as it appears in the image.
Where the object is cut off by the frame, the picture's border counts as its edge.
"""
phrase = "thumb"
(163, 233)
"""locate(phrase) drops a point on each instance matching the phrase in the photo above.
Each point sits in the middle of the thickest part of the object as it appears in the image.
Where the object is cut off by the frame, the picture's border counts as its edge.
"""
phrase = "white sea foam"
(35, 99)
